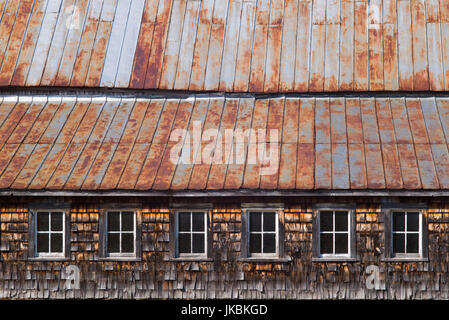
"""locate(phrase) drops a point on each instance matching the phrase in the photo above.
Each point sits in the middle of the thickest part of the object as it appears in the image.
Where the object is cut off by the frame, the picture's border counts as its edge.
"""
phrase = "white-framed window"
(334, 233)
(406, 234)
(191, 233)
(49, 236)
(263, 233)
(120, 233)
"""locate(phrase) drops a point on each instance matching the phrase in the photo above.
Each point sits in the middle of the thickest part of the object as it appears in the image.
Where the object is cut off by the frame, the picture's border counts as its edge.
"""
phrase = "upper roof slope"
(226, 45)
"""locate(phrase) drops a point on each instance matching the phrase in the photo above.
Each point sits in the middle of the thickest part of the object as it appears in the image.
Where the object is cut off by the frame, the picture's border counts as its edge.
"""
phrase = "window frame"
(120, 232)
(276, 232)
(422, 255)
(191, 255)
(175, 208)
(352, 254)
(103, 230)
(333, 233)
(278, 209)
(33, 211)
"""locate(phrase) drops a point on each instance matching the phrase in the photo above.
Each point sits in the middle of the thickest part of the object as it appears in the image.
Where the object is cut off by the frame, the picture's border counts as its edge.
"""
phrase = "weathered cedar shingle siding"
(157, 276)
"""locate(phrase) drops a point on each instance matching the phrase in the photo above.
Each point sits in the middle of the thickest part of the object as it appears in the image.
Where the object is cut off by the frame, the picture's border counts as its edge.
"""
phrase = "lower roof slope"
(338, 143)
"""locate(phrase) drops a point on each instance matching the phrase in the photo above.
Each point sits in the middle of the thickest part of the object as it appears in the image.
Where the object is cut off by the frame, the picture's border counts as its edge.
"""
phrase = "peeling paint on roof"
(226, 45)
(338, 143)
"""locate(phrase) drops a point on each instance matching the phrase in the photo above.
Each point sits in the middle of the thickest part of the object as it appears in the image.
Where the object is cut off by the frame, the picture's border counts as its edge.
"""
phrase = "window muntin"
(334, 233)
(121, 233)
(406, 229)
(263, 233)
(191, 233)
(49, 236)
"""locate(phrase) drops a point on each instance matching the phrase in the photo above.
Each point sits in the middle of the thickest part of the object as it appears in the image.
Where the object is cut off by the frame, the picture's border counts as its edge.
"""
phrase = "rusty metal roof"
(78, 143)
(226, 45)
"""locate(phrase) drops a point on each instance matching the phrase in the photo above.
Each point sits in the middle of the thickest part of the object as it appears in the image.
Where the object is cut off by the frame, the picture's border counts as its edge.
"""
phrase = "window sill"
(112, 259)
(48, 259)
(190, 259)
(265, 260)
(336, 259)
(416, 259)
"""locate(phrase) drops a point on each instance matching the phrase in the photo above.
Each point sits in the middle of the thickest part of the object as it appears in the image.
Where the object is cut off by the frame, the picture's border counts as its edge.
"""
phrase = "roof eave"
(227, 193)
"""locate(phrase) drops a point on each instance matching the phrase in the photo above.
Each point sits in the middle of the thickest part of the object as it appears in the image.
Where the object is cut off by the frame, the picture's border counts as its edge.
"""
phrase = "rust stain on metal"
(29, 170)
(335, 46)
(409, 166)
(65, 167)
(323, 143)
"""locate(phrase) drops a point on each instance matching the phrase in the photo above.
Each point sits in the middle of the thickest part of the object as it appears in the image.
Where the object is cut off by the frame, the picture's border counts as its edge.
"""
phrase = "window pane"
(128, 221)
(114, 221)
(56, 221)
(269, 243)
(412, 243)
(398, 243)
(56, 242)
(184, 221)
(255, 221)
(42, 221)
(326, 243)
(341, 221)
(198, 221)
(43, 242)
(198, 243)
(113, 242)
(326, 220)
(398, 221)
(255, 243)
(341, 243)
(269, 221)
(184, 244)
(127, 242)
(413, 221)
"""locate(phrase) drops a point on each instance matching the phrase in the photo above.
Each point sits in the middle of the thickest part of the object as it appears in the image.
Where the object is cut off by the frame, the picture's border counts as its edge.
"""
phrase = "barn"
(224, 149)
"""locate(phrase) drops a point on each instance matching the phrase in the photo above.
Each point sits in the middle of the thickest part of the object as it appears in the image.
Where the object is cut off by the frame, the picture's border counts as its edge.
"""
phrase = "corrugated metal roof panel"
(227, 45)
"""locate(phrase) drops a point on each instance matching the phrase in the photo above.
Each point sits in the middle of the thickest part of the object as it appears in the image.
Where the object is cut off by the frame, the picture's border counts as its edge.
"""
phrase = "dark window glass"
(197, 221)
(113, 221)
(341, 221)
(127, 221)
(255, 221)
(398, 243)
(269, 221)
(341, 243)
(326, 220)
(255, 245)
(198, 243)
(127, 242)
(184, 243)
(334, 232)
(269, 243)
(184, 221)
(326, 243)
(191, 236)
(113, 242)
(398, 221)
(49, 228)
(56, 242)
(413, 221)
(412, 243)
(43, 242)
(56, 221)
(42, 221)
